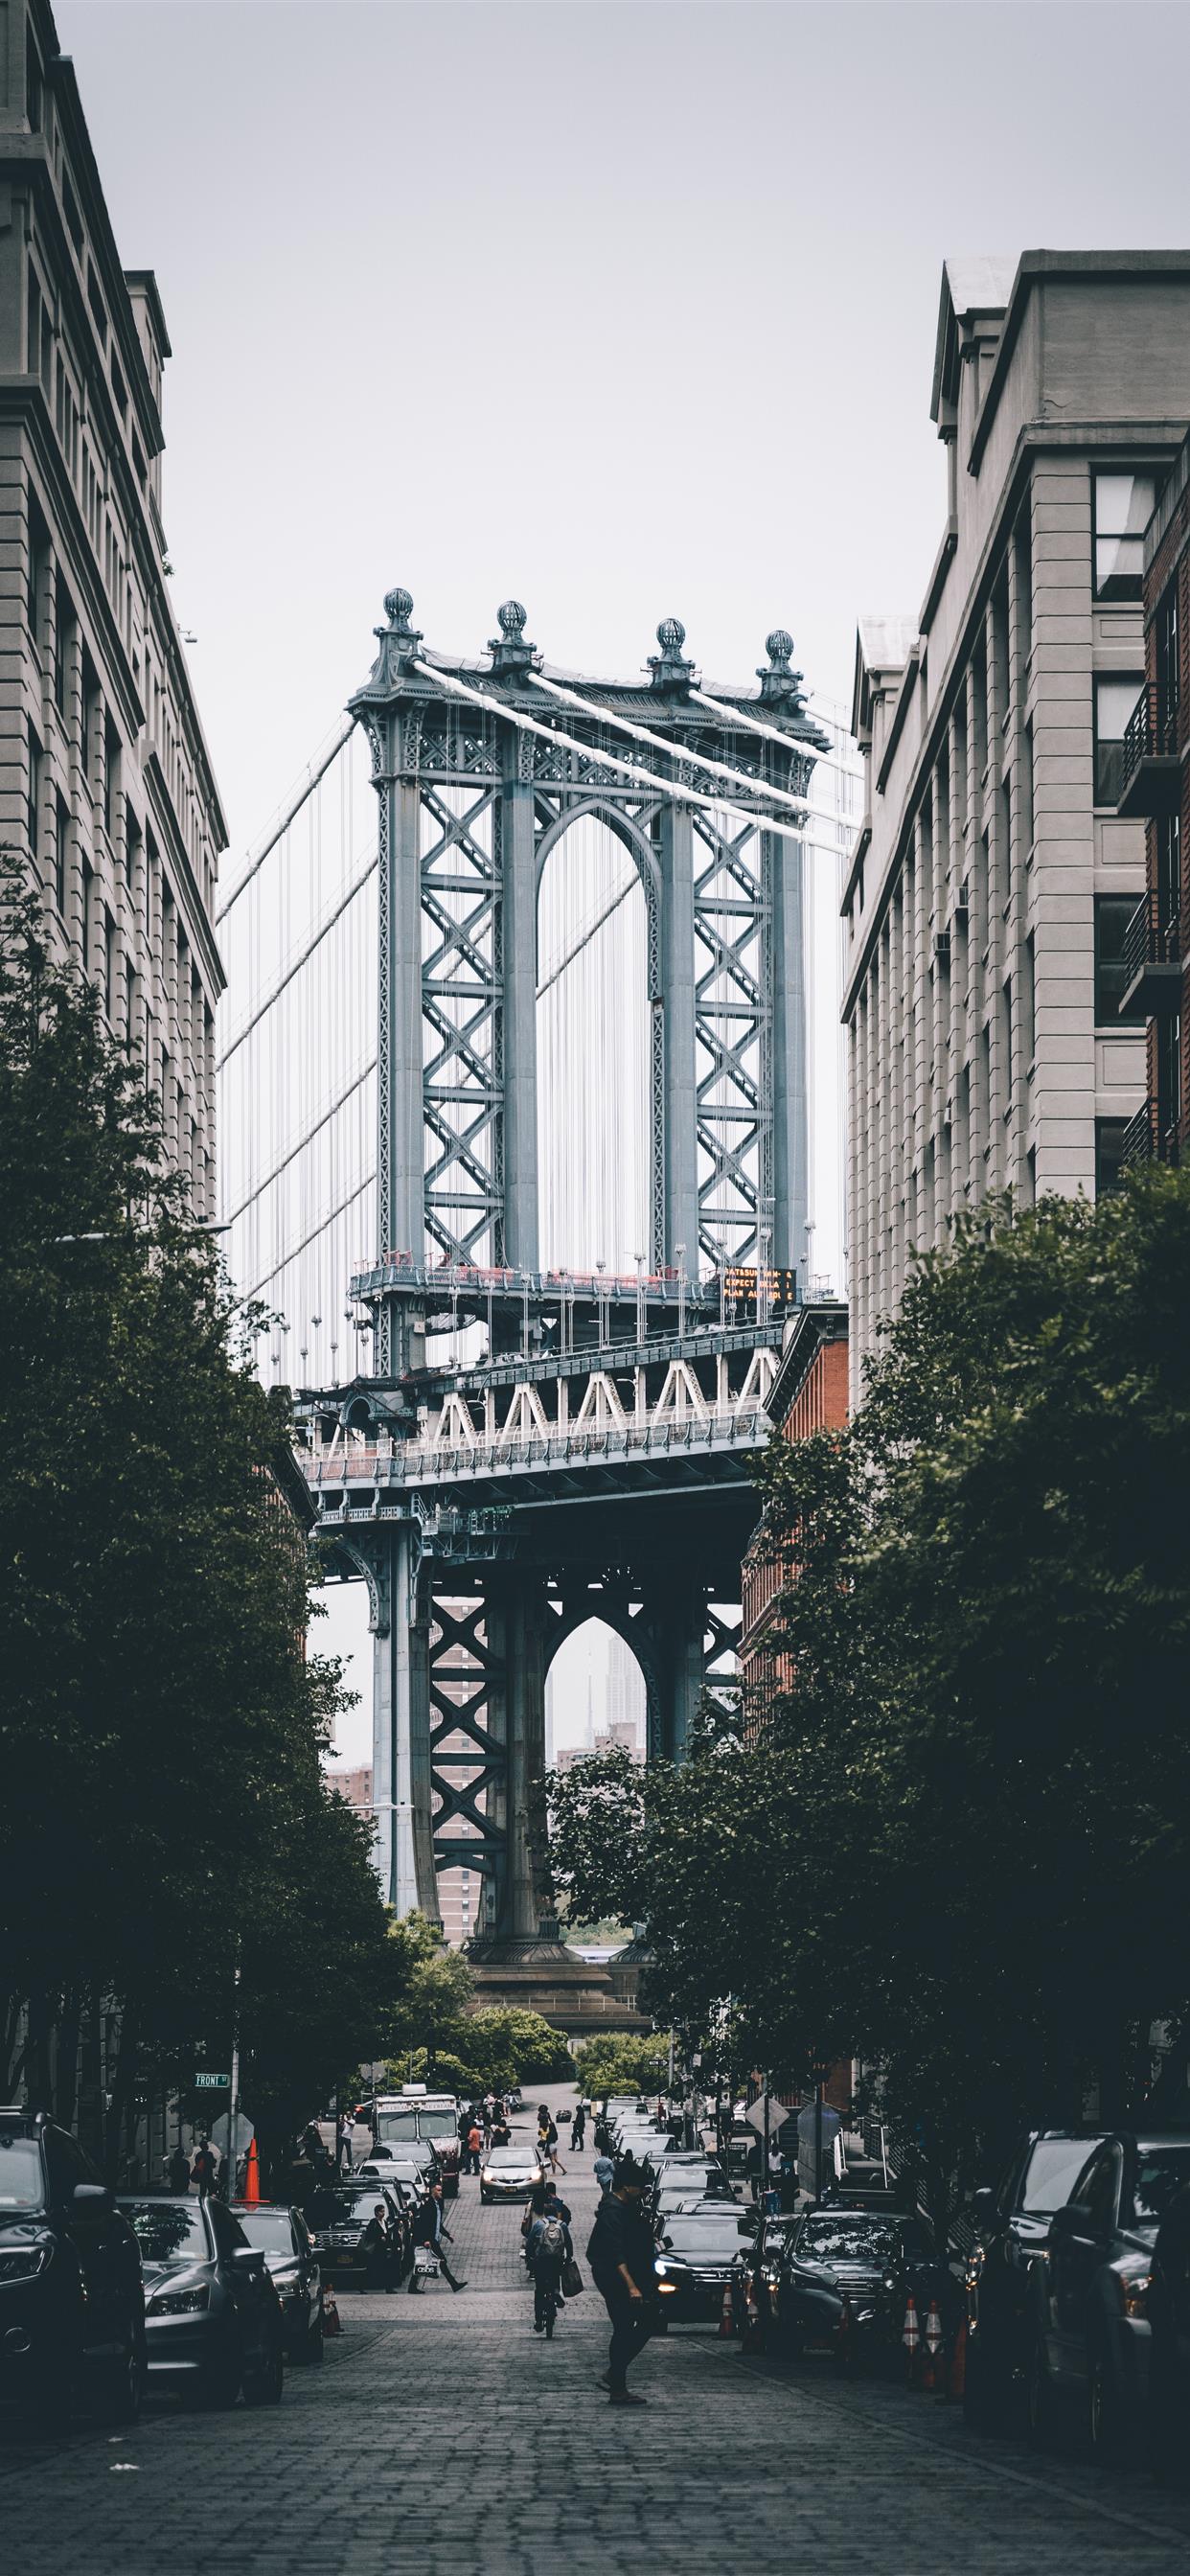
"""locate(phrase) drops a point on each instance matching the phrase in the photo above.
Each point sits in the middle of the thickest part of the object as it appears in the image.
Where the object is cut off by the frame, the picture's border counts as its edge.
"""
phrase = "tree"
(625, 2063)
(959, 1848)
(433, 1988)
(161, 1724)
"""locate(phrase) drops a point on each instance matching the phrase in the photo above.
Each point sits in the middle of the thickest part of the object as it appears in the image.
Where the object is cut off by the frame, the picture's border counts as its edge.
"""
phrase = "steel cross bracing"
(588, 1467)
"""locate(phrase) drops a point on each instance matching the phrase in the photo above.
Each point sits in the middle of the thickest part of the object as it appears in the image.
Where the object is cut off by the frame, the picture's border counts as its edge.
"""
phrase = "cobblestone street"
(443, 2435)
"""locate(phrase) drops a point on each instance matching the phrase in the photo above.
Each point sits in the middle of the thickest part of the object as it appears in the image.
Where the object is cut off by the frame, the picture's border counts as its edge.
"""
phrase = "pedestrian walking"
(603, 2170)
(343, 2143)
(474, 2146)
(547, 2140)
(202, 2171)
(431, 2231)
(578, 2128)
(179, 2169)
(620, 2253)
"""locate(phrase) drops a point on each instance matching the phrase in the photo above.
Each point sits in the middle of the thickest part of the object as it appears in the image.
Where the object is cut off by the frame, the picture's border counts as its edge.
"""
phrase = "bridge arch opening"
(596, 1695)
(593, 1041)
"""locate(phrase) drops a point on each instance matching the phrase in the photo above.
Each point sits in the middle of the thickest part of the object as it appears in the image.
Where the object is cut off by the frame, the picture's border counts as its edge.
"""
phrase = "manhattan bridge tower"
(530, 1443)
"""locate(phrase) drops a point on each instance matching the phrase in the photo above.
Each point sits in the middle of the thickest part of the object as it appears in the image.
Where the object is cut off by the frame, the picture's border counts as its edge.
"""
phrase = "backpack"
(553, 2239)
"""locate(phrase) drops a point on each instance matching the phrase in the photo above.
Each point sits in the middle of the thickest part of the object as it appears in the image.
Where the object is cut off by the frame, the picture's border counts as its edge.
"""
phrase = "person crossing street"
(549, 2250)
(430, 2230)
(620, 2253)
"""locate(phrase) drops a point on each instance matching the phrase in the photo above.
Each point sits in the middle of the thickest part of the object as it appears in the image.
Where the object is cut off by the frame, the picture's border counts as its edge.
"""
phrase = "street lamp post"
(680, 1251)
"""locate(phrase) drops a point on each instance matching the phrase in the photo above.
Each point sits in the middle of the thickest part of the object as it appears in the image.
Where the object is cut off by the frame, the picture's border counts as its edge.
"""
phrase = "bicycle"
(547, 2301)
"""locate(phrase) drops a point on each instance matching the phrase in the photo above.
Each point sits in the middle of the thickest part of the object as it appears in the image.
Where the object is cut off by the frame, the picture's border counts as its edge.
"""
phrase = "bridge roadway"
(442, 2436)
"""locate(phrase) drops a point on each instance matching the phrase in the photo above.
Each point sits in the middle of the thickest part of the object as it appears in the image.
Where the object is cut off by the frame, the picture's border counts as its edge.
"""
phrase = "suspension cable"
(676, 751)
(289, 812)
(299, 961)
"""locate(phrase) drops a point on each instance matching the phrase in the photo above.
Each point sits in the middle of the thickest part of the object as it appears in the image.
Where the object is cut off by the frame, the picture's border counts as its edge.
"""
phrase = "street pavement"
(443, 2436)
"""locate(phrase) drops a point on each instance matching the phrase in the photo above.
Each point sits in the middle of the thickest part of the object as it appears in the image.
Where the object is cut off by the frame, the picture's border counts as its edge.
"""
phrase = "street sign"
(211, 2083)
(740, 1288)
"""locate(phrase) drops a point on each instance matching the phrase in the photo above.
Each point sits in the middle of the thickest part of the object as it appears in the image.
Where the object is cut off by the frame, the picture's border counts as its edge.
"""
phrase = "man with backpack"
(548, 2252)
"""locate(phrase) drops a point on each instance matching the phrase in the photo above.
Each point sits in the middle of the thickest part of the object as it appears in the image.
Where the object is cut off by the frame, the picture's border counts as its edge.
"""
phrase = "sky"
(624, 307)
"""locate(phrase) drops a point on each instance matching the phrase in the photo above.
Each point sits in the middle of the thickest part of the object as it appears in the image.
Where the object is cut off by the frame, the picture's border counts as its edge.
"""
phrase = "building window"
(1169, 1074)
(74, 223)
(34, 799)
(61, 845)
(63, 633)
(90, 713)
(1109, 1147)
(88, 914)
(109, 968)
(111, 776)
(1113, 912)
(1169, 875)
(1122, 506)
(33, 84)
(1165, 637)
(1115, 701)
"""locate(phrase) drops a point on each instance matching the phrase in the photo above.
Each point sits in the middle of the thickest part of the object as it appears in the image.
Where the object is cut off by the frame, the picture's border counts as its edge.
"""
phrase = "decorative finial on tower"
(508, 649)
(398, 607)
(400, 643)
(669, 669)
(779, 686)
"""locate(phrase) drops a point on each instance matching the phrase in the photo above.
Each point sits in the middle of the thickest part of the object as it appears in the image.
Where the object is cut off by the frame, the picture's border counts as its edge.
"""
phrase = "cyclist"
(549, 2250)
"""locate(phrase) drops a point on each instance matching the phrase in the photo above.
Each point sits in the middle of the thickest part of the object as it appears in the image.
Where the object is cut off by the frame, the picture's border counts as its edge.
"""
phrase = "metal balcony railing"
(1153, 936)
(1151, 734)
(1151, 1137)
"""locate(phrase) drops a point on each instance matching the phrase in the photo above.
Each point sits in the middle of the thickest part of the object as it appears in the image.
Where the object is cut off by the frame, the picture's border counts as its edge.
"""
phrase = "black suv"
(1006, 2231)
(72, 2301)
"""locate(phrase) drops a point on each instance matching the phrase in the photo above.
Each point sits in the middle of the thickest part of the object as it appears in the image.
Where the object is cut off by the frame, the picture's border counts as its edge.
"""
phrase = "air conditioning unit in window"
(942, 947)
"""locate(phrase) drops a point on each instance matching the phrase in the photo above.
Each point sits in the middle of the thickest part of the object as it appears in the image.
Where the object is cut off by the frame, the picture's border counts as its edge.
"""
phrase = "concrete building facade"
(992, 880)
(105, 781)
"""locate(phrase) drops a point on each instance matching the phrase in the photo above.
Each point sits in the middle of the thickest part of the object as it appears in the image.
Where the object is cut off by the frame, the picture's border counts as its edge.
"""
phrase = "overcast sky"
(627, 309)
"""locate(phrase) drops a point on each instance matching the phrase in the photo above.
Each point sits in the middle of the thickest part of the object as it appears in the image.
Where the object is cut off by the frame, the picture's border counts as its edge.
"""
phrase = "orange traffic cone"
(933, 2340)
(727, 2313)
(332, 2323)
(911, 2333)
(252, 2176)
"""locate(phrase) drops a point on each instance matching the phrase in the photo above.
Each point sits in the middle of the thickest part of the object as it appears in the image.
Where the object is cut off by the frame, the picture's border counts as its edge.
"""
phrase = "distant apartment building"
(994, 875)
(809, 1394)
(105, 780)
(1155, 788)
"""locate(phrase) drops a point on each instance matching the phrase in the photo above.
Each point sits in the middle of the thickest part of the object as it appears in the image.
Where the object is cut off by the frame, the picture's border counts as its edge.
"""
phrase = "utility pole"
(818, 2142)
(234, 2096)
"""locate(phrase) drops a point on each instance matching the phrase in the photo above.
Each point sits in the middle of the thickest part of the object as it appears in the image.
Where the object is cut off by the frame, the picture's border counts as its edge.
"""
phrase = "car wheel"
(1107, 2427)
(126, 2382)
(264, 2387)
(1039, 2396)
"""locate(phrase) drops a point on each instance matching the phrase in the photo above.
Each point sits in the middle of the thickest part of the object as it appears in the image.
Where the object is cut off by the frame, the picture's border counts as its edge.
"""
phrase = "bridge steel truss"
(637, 1512)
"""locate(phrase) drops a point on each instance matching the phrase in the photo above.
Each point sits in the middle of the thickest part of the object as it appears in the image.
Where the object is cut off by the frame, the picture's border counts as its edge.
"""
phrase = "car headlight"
(1134, 2293)
(24, 2262)
(485, 2176)
(180, 2303)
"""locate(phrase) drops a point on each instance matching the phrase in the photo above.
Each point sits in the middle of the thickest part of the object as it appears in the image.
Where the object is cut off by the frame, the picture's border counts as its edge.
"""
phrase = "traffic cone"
(332, 2323)
(911, 2333)
(252, 2176)
(957, 2384)
(726, 2314)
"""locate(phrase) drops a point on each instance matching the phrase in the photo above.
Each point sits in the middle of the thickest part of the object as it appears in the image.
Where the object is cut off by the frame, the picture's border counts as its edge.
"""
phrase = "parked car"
(72, 2309)
(292, 2262)
(1004, 2233)
(687, 2191)
(784, 2302)
(212, 2316)
(337, 2217)
(1091, 2333)
(697, 2251)
(509, 2173)
(1168, 2308)
(875, 2258)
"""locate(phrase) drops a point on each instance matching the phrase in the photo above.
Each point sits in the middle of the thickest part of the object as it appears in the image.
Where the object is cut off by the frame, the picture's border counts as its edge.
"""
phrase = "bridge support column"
(791, 1140)
(679, 1103)
(519, 929)
(401, 1732)
(677, 1622)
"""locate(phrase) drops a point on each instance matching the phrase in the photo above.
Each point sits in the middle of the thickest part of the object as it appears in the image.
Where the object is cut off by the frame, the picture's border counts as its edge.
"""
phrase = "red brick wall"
(819, 1405)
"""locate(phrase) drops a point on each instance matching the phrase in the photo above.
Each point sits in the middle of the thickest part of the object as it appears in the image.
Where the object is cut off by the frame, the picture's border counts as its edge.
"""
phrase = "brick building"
(105, 781)
(809, 1394)
(1156, 788)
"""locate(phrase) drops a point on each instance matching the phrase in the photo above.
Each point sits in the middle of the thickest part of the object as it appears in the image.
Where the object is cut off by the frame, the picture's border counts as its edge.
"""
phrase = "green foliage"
(494, 2047)
(627, 2064)
(433, 1987)
(161, 1726)
(961, 1848)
